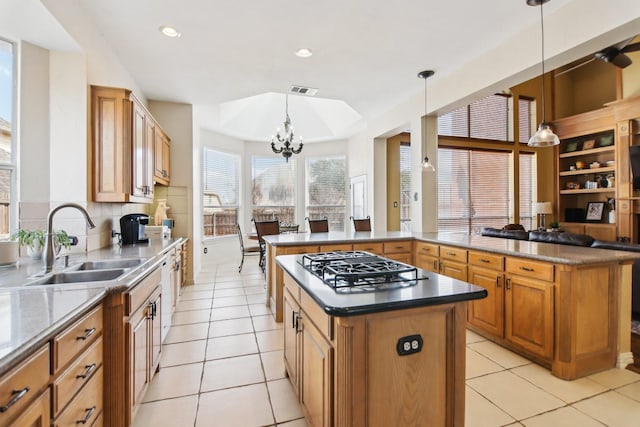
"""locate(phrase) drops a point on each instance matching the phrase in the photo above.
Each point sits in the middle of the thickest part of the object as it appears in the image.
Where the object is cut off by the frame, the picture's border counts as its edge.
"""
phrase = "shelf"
(588, 171)
(588, 191)
(608, 149)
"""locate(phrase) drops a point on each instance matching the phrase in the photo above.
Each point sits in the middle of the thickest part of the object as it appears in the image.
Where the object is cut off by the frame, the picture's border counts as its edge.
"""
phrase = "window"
(221, 194)
(487, 118)
(327, 190)
(527, 190)
(7, 138)
(273, 189)
(405, 187)
(473, 189)
(527, 118)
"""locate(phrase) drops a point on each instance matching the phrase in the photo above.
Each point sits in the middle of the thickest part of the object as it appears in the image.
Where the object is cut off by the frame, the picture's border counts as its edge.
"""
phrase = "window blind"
(221, 183)
(526, 119)
(327, 190)
(473, 189)
(405, 187)
(273, 188)
(527, 188)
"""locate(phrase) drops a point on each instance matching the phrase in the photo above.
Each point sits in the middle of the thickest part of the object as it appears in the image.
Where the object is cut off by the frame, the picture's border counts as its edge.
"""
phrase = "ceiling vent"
(301, 90)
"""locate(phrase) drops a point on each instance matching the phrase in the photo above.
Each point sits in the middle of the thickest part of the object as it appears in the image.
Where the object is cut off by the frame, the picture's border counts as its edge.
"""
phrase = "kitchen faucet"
(48, 237)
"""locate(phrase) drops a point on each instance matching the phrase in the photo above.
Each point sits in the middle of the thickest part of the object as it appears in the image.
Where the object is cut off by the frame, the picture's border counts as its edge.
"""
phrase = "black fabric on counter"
(563, 238)
(505, 234)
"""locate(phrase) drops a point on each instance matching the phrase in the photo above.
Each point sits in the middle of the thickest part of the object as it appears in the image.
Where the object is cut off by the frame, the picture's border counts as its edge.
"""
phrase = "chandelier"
(287, 149)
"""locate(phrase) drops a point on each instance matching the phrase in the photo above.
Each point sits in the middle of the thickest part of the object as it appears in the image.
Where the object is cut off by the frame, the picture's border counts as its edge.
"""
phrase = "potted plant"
(555, 225)
(33, 240)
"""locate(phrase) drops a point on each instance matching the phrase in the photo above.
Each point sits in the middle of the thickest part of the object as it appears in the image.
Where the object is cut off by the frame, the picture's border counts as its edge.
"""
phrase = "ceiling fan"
(615, 55)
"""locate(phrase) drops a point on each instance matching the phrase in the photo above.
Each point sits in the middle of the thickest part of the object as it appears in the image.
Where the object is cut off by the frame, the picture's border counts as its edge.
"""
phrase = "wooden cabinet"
(488, 313)
(22, 385)
(37, 414)
(399, 251)
(124, 136)
(597, 231)
(308, 354)
(143, 337)
(161, 156)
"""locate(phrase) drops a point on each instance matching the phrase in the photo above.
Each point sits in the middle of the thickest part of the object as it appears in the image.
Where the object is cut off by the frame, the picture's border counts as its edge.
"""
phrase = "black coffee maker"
(132, 228)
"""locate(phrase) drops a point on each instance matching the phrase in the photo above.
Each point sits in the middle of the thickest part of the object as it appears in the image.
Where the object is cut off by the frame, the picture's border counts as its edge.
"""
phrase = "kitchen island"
(567, 308)
(380, 356)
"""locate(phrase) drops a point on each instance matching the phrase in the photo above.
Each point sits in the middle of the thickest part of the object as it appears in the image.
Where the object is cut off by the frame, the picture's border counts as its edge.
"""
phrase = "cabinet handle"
(526, 269)
(87, 372)
(89, 413)
(497, 281)
(435, 265)
(17, 395)
(298, 324)
(451, 253)
(486, 261)
(294, 317)
(508, 284)
(87, 334)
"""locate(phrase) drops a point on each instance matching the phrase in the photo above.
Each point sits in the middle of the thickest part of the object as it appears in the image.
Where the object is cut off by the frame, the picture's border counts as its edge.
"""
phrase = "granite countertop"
(433, 289)
(550, 252)
(32, 314)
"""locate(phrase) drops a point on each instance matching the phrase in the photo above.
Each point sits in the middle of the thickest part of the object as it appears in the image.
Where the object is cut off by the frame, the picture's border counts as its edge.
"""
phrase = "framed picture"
(587, 145)
(595, 211)
(605, 141)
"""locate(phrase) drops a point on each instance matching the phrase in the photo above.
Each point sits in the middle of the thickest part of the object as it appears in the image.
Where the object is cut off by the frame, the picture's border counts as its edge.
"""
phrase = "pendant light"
(544, 137)
(427, 166)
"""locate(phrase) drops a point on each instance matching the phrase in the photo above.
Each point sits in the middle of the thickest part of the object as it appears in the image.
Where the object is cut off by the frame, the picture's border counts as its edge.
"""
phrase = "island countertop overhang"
(431, 289)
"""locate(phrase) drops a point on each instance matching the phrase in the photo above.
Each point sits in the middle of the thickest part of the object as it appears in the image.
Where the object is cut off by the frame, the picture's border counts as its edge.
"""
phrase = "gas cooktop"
(358, 271)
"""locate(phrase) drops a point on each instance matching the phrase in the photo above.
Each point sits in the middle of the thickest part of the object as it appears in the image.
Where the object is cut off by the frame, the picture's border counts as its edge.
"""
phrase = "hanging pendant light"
(427, 166)
(544, 137)
(287, 149)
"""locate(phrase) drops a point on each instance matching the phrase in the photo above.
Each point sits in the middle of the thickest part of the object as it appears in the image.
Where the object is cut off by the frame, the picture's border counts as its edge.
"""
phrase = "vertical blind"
(327, 190)
(473, 189)
(221, 192)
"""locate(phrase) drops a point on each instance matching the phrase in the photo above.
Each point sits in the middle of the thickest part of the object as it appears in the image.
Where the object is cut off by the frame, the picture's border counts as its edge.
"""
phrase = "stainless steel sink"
(103, 264)
(80, 276)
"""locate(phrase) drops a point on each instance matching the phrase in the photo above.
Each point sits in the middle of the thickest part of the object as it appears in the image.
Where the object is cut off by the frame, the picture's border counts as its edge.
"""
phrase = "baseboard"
(624, 359)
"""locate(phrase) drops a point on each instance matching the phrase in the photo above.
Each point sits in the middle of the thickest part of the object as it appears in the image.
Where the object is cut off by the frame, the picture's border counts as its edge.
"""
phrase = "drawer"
(314, 312)
(78, 374)
(406, 258)
(454, 254)
(290, 250)
(141, 292)
(292, 287)
(342, 247)
(396, 247)
(427, 249)
(374, 248)
(87, 405)
(529, 268)
(23, 384)
(76, 338)
(486, 260)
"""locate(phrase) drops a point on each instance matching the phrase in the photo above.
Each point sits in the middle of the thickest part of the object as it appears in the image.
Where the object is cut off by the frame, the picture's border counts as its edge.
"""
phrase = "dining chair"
(318, 225)
(363, 224)
(246, 249)
(265, 228)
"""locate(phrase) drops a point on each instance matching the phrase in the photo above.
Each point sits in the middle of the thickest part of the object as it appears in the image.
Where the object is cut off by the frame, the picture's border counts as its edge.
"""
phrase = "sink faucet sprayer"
(48, 237)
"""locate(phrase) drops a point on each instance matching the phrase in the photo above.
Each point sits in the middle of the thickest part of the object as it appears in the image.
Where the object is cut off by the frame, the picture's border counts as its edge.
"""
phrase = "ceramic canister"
(8, 252)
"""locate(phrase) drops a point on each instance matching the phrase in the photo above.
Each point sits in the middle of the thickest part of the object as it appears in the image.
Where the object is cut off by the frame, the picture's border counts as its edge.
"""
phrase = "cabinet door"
(316, 370)
(37, 414)
(601, 231)
(155, 330)
(407, 258)
(428, 263)
(139, 148)
(488, 313)
(291, 312)
(139, 355)
(453, 269)
(529, 314)
(161, 157)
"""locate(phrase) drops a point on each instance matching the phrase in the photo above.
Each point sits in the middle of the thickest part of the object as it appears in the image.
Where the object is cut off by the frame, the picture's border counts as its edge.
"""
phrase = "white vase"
(612, 217)
(35, 251)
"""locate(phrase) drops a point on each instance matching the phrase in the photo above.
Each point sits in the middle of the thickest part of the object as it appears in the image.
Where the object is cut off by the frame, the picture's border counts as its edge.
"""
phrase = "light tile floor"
(221, 365)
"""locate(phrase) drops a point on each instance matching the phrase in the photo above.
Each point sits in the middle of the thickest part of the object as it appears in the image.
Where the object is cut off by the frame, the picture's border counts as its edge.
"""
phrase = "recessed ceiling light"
(169, 31)
(303, 52)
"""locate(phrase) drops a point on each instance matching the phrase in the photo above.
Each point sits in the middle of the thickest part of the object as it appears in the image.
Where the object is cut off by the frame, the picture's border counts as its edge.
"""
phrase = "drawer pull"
(526, 269)
(17, 395)
(87, 334)
(508, 284)
(451, 253)
(486, 261)
(435, 265)
(498, 282)
(89, 370)
(89, 413)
